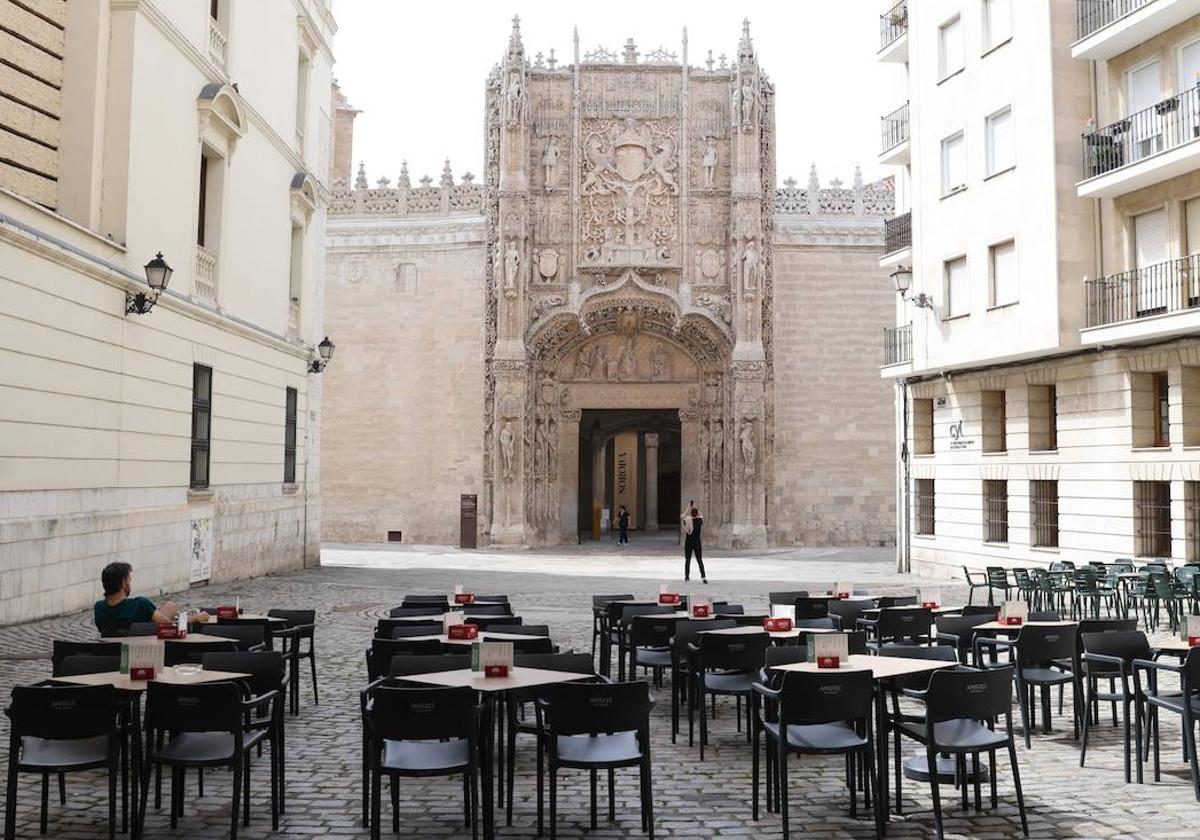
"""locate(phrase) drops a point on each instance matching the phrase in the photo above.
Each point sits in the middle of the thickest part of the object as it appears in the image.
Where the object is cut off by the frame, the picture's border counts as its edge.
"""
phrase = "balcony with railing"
(893, 33)
(897, 235)
(1144, 148)
(204, 284)
(1106, 28)
(218, 44)
(897, 345)
(893, 146)
(1145, 293)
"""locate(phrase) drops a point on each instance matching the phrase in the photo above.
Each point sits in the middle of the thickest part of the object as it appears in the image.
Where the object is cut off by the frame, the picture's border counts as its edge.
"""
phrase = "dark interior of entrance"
(600, 430)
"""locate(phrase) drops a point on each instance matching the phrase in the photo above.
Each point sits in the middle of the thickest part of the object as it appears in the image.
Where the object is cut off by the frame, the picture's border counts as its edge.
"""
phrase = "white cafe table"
(482, 637)
(794, 633)
(193, 638)
(1172, 645)
(490, 688)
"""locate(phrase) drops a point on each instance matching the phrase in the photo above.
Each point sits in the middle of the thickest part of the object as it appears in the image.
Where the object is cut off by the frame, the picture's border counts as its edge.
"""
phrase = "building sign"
(625, 476)
(958, 440)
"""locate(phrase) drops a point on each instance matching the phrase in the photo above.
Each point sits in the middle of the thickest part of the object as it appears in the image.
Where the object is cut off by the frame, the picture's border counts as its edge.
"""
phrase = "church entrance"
(631, 457)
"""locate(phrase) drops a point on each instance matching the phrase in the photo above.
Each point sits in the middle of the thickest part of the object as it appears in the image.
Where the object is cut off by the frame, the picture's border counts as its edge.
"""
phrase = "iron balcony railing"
(893, 23)
(897, 344)
(1093, 15)
(894, 128)
(1162, 126)
(897, 233)
(1172, 286)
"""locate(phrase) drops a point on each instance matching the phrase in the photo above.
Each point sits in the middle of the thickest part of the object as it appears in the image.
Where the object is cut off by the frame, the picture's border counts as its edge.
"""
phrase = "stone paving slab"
(692, 799)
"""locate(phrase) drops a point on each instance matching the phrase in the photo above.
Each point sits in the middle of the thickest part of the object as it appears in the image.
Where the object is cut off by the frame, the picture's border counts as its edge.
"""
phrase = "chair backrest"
(406, 666)
(572, 663)
(385, 626)
(180, 653)
(245, 636)
(63, 712)
(492, 599)
(788, 597)
(740, 652)
(426, 599)
(142, 628)
(888, 601)
(295, 618)
(1189, 677)
(630, 611)
(411, 630)
(265, 668)
(541, 644)
(1107, 625)
(904, 623)
(488, 609)
(848, 612)
(729, 609)
(941, 653)
(816, 623)
(811, 607)
(1021, 576)
(1126, 644)
(962, 627)
(743, 620)
(485, 622)
(61, 650)
(1045, 615)
(382, 651)
(969, 694)
(856, 640)
(1042, 644)
(523, 629)
(981, 609)
(785, 655)
(599, 601)
(997, 576)
(423, 714)
(814, 697)
(1121, 566)
(76, 664)
(203, 707)
(598, 708)
(403, 612)
(651, 631)
(689, 630)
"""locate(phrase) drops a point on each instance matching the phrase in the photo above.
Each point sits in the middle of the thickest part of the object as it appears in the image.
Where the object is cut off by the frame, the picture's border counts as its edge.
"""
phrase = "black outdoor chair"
(886, 602)
(598, 616)
(827, 623)
(203, 727)
(189, 653)
(960, 709)
(422, 732)
(997, 578)
(77, 664)
(1044, 656)
(624, 622)
(58, 730)
(491, 599)
(982, 609)
(417, 631)
(522, 629)
(1185, 703)
(725, 665)
(848, 612)
(1110, 656)
(540, 645)
(975, 580)
(412, 612)
(484, 609)
(142, 628)
(786, 598)
(818, 714)
(683, 663)
(426, 600)
(301, 626)
(598, 727)
(650, 645)
(61, 650)
(959, 632)
(248, 638)
(487, 622)
(384, 627)
(900, 625)
(381, 651)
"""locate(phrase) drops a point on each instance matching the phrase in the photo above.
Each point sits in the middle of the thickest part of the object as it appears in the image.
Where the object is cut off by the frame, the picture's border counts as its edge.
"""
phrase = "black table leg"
(487, 732)
(881, 758)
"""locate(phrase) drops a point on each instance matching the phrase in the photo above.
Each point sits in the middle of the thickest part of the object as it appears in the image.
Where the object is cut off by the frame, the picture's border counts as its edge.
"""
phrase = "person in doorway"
(118, 608)
(623, 525)
(693, 522)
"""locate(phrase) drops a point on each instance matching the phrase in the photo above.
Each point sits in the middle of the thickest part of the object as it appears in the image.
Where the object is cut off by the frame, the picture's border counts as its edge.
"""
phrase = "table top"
(1015, 628)
(193, 638)
(1178, 645)
(881, 667)
(944, 610)
(439, 617)
(249, 617)
(794, 633)
(517, 678)
(483, 637)
(166, 675)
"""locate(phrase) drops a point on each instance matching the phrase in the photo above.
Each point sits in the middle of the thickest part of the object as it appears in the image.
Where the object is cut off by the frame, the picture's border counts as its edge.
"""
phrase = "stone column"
(598, 475)
(651, 481)
(689, 469)
(568, 476)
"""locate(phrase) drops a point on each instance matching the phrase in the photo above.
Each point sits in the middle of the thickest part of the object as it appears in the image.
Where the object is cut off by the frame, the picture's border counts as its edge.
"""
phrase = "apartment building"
(1045, 355)
(169, 427)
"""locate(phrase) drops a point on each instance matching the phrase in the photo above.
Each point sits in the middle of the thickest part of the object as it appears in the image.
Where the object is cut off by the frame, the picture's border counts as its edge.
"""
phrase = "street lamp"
(158, 275)
(902, 279)
(325, 354)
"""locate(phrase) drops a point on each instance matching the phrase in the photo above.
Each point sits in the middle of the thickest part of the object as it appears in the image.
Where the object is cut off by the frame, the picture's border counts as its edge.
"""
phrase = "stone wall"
(31, 79)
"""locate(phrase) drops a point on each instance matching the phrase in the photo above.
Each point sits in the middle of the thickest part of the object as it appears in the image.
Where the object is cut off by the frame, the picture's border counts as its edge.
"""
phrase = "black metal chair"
(848, 612)
(1039, 653)
(683, 662)
(58, 730)
(61, 650)
(487, 622)
(203, 725)
(599, 602)
(1185, 703)
(959, 632)
(806, 607)
(598, 727)
(787, 598)
(975, 580)
(997, 578)
(960, 709)
(901, 625)
(422, 732)
(301, 626)
(650, 645)
(818, 714)
(381, 651)
(725, 665)
(413, 612)
(625, 617)
(385, 627)
(248, 638)
(1110, 655)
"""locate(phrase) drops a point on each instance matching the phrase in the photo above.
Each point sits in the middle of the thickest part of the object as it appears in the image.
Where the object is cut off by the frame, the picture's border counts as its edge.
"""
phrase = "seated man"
(117, 609)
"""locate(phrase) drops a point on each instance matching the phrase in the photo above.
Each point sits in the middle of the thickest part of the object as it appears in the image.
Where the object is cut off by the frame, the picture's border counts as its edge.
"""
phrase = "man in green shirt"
(117, 609)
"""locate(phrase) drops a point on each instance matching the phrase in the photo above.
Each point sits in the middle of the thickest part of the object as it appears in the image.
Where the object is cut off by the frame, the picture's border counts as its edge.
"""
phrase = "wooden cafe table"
(882, 668)
(491, 689)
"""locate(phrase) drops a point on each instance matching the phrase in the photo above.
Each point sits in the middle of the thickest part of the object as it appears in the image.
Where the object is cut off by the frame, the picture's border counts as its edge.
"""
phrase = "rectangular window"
(924, 511)
(995, 511)
(201, 424)
(1144, 90)
(1160, 385)
(1191, 217)
(954, 164)
(1043, 510)
(950, 48)
(1001, 154)
(1152, 518)
(302, 65)
(1002, 269)
(1043, 418)
(296, 265)
(1191, 514)
(995, 421)
(922, 427)
(289, 437)
(958, 291)
(203, 207)
(997, 23)
(1189, 65)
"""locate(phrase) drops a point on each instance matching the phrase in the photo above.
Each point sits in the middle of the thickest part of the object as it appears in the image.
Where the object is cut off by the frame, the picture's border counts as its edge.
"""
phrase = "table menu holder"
(460, 632)
(144, 658)
(1189, 629)
(701, 609)
(169, 631)
(930, 599)
(830, 650)
(777, 625)
(227, 612)
(843, 590)
(1014, 613)
(464, 598)
(670, 599)
(452, 619)
(496, 658)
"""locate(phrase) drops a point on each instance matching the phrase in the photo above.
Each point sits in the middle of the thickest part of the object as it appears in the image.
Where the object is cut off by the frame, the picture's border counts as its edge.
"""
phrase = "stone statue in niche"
(709, 161)
(548, 263)
(507, 439)
(515, 100)
(585, 362)
(744, 101)
(749, 451)
(750, 266)
(550, 155)
(660, 364)
(704, 448)
(627, 367)
(603, 368)
(716, 459)
(512, 265)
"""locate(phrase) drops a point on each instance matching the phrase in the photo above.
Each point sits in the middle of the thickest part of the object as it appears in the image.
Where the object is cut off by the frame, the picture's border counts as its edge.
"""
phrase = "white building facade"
(1047, 375)
(181, 439)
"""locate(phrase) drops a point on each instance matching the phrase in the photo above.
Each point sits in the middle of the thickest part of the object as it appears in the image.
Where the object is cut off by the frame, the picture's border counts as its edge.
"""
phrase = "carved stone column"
(651, 481)
(568, 475)
(748, 456)
(598, 474)
(511, 439)
(689, 468)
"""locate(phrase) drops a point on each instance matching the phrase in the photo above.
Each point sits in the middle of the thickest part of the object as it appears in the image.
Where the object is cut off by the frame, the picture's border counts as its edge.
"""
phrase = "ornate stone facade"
(627, 250)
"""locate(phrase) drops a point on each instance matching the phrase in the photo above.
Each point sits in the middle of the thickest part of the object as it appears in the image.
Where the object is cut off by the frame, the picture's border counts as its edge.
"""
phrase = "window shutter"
(1004, 274)
(1150, 238)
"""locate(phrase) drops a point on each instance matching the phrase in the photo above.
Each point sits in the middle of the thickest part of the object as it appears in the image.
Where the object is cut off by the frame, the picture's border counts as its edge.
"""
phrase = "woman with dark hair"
(623, 525)
(693, 522)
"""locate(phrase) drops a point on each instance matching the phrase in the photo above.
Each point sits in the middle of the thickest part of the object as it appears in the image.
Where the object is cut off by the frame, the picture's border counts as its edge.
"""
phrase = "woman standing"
(693, 522)
(623, 525)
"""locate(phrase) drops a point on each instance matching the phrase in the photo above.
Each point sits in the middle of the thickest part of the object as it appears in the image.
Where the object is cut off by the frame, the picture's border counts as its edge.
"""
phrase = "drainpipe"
(903, 499)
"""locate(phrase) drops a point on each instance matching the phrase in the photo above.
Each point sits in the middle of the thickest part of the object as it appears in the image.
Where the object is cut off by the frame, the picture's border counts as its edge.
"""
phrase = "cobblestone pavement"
(692, 799)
